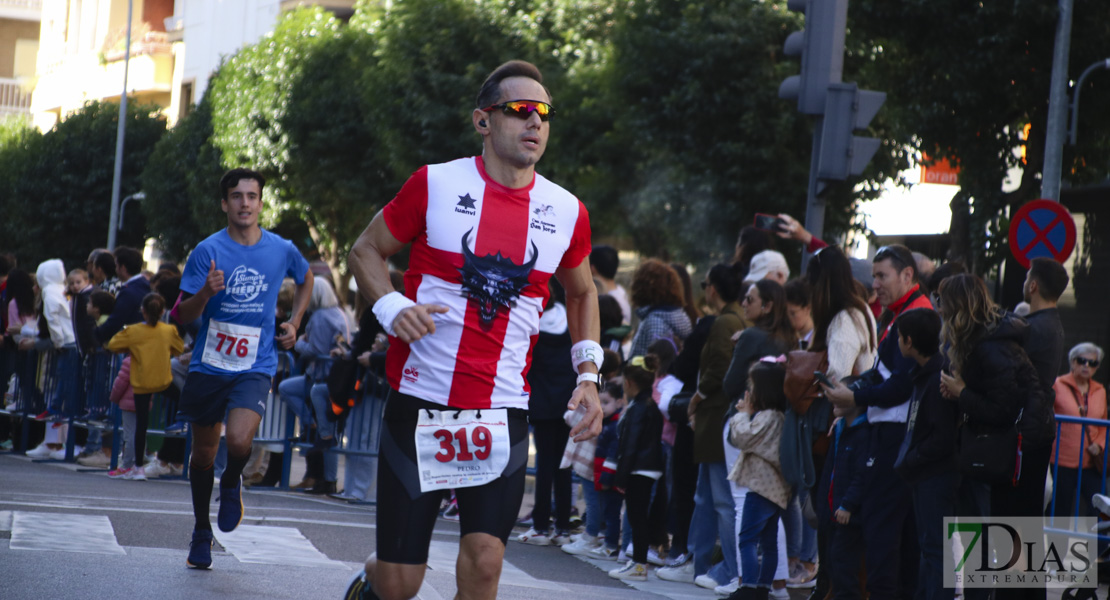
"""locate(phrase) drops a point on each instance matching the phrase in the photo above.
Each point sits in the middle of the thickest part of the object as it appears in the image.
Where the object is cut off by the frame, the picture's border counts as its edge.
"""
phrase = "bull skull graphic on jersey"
(493, 280)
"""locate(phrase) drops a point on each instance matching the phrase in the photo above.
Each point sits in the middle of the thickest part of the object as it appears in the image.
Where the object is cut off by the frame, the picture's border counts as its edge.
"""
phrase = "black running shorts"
(206, 399)
(406, 517)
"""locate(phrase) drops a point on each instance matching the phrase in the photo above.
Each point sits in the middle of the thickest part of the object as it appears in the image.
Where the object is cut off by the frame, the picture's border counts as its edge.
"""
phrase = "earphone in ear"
(482, 123)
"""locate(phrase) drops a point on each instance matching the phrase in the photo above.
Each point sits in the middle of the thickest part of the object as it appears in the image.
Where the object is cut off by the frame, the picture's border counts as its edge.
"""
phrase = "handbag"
(800, 386)
(990, 454)
(677, 409)
(343, 387)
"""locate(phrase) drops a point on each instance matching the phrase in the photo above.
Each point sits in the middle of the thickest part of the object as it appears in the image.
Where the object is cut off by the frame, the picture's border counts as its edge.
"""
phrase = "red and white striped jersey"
(486, 252)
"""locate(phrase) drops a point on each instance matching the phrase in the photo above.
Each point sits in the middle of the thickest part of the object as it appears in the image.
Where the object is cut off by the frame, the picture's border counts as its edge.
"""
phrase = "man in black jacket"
(927, 458)
(129, 300)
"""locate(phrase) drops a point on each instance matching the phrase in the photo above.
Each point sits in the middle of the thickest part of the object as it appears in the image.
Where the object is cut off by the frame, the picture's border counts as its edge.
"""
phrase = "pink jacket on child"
(122, 392)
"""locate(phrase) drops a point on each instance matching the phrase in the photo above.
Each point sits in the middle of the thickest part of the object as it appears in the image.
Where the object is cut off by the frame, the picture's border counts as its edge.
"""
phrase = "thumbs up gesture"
(215, 282)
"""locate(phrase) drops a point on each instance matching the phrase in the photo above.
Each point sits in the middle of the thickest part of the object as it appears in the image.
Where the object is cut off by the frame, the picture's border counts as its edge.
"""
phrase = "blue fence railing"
(1063, 525)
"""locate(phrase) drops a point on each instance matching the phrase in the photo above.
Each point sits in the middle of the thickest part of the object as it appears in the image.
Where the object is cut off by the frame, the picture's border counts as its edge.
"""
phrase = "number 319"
(480, 437)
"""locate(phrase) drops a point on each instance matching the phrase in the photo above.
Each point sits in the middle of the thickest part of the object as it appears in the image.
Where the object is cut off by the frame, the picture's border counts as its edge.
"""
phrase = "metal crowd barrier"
(1070, 527)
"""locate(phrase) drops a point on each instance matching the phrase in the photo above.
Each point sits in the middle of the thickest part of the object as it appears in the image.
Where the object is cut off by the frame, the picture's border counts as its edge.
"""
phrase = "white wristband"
(587, 350)
(590, 377)
(388, 307)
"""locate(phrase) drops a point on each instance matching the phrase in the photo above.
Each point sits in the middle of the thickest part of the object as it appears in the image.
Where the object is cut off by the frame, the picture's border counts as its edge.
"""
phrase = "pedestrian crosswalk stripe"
(60, 532)
(442, 556)
(274, 545)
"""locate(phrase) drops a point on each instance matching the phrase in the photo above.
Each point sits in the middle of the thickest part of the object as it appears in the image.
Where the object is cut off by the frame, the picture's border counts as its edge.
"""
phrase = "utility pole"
(121, 128)
(1057, 106)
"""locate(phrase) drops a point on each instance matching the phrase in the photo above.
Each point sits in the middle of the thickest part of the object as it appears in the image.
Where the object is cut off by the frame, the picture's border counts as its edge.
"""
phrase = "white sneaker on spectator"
(728, 588)
(97, 460)
(583, 546)
(779, 594)
(706, 582)
(59, 454)
(625, 554)
(560, 538)
(535, 538)
(654, 558)
(683, 573)
(176, 470)
(156, 468)
(678, 559)
(136, 473)
(40, 451)
(633, 571)
(603, 552)
(801, 577)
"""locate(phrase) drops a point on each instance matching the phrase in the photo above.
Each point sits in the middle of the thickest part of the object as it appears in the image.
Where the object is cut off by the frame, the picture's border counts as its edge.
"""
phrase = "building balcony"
(14, 100)
(21, 10)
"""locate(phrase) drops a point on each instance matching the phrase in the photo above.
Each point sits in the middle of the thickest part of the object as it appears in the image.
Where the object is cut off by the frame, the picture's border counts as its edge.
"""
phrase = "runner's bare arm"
(584, 324)
(367, 262)
(301, 297)
(190, 308)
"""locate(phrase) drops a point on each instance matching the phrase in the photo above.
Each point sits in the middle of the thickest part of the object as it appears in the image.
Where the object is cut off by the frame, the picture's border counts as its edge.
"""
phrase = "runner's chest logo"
(493, 281)
(466, 206)
(245, 284)
(542, 219)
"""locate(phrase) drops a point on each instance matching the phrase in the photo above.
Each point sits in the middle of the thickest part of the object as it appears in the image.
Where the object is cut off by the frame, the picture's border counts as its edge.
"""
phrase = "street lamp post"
(1103, 64)
(121, 127)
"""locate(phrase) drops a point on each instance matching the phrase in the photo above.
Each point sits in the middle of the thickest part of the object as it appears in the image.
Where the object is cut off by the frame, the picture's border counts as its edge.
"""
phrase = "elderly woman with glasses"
(1079, 455)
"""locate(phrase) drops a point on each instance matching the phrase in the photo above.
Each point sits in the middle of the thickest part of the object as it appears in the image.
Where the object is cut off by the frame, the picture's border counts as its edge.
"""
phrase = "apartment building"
(19, 41)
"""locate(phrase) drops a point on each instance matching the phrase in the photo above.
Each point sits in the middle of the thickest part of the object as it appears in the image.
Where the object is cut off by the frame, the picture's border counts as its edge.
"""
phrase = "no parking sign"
(1042, 228)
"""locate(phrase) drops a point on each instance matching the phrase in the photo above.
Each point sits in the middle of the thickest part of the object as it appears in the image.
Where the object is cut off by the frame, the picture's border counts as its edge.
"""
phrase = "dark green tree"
(61, 189)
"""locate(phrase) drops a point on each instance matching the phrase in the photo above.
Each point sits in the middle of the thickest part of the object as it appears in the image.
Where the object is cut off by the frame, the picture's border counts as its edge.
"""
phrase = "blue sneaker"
(359, 588)
(231, 507)
(200, 550)
(177, 427)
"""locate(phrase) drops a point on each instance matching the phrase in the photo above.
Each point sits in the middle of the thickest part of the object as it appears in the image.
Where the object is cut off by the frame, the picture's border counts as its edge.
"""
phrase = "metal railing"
(13, 99)
(1071, 528)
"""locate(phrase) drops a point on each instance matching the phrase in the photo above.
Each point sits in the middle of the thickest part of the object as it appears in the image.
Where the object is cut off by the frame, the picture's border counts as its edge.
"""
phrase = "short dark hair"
(106, 262)
(490, 91)
(797, 292)
(609, 312)
(605, 260)
(945, 271)
(232, 178)
(7, 263)
(922, 327)
(727, 281)
(130, 259)
(900, 258)
(104, 301)
(1051, 277)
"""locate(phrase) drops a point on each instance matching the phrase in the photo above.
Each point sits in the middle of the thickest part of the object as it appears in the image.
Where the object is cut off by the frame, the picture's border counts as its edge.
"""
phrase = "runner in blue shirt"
(231, 283)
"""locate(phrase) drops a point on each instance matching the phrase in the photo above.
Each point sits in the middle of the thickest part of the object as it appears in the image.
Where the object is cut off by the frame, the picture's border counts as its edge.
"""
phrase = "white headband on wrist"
(587, 350)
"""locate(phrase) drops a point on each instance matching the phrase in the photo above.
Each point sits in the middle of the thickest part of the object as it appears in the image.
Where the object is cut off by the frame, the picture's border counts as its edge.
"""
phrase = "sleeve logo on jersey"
(493, 280)
(245, 284)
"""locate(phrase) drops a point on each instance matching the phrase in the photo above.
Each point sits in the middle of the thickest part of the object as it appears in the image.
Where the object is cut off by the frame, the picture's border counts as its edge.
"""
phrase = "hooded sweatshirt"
(51, 277)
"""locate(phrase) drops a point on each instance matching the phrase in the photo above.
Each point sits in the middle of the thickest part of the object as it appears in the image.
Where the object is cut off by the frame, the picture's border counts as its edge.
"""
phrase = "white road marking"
(275, 546)
(59, 532)
(442, 556)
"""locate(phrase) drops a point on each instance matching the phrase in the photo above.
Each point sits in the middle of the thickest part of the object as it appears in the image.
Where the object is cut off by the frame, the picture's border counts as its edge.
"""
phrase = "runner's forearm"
(300, 299)
(367, 260)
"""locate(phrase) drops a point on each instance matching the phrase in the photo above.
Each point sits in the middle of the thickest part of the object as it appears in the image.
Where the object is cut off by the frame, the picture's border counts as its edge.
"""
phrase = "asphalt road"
(70, 532)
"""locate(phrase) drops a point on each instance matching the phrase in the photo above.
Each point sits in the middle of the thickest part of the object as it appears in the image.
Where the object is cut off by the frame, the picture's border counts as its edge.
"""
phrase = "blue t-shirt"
(233, 317)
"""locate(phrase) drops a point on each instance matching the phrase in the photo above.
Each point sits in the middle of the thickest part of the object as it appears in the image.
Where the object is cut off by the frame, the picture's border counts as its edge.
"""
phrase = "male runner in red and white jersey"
(487, 233)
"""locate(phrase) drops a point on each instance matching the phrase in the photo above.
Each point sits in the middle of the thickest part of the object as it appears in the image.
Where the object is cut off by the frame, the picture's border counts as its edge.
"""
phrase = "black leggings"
(637, 501)
(142, 419)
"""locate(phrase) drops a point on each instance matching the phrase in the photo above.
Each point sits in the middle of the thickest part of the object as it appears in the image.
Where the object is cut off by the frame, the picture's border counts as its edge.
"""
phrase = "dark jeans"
(759, 528)
(611, 501)
(684, 476)
(888, 522)
(933, 499)
(638, 499)
(550, 437)
(845, 551)
(1065, 483)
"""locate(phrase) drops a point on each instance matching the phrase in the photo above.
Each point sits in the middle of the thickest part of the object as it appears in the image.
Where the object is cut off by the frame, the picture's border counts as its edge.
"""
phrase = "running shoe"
(200, 550)
(231, 507)
(535, 538)
(137, 473)
(678, 560)
(359, 588)
(451, 513)
(682, 573)
(633, 571)
(118, 473)
(603, 552)
(177, 427)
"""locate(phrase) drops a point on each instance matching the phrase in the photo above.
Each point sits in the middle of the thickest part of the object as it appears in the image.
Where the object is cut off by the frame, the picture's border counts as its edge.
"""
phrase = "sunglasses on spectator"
(1089, 362)
(523, 109)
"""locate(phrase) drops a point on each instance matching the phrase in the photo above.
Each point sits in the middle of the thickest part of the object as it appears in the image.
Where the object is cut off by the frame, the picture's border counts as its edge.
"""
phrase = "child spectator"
(123, 395)
(639, 461)
(757, 431)
(839, 497)
(55, 332)
(927, 459)
(151, 343)
(579, 456)
(100, 305)
(605, 469)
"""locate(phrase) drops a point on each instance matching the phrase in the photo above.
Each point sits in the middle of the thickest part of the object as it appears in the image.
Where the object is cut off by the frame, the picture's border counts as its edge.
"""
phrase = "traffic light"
(847, 108)
(821, 46)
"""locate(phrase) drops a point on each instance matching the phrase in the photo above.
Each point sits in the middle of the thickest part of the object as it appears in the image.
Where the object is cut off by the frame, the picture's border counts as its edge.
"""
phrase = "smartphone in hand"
(823, 379)
(768, 222)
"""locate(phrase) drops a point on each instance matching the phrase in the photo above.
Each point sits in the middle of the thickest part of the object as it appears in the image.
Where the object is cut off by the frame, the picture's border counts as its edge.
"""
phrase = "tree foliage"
(60, 184)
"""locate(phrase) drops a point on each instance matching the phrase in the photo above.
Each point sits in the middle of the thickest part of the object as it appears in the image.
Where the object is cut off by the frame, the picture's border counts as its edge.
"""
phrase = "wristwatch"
(591, 377)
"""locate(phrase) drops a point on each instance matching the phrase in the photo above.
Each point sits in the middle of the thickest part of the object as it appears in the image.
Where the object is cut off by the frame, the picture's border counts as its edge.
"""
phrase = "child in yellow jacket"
(151, 343)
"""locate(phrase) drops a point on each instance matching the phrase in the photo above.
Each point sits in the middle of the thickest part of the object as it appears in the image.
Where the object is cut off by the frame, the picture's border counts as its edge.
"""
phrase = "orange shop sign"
(941, 172)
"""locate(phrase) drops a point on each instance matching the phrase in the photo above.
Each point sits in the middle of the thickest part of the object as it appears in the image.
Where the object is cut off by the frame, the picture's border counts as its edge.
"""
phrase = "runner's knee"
(397, 582)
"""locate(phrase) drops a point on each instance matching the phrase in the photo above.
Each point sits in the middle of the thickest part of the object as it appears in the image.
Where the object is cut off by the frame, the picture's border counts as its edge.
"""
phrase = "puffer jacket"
(640, 433)
(999, 376)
